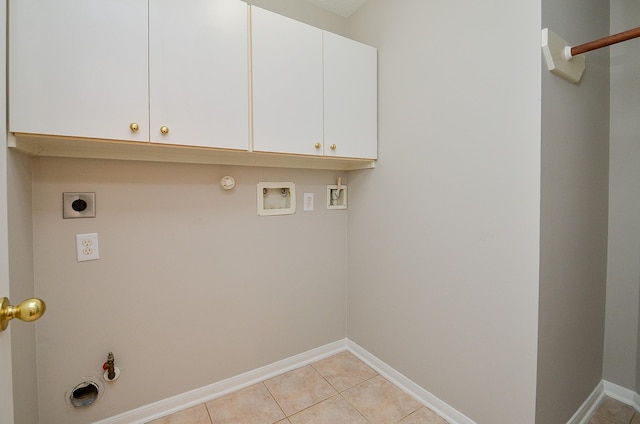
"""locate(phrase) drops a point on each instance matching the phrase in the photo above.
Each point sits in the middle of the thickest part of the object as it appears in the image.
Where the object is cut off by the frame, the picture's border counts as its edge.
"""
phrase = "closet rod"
(569, 62)
(605, 41)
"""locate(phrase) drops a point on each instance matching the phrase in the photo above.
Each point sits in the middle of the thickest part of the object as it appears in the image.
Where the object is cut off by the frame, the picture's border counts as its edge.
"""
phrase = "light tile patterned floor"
(611, 411)
(338, 389)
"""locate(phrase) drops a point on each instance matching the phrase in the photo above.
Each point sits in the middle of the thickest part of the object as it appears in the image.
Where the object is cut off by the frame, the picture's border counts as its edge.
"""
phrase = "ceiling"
(341, 7)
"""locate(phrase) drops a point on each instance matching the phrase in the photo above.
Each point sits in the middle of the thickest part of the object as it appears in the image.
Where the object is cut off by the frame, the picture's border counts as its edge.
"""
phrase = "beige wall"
(305, 12)
(444, 235)
(575, 151)
(191, 287)
(622, 351)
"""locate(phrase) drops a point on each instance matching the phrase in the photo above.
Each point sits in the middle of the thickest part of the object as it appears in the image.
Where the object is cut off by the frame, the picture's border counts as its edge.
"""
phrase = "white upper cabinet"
(79, 68)
(198, 73)
(188, 73)
(350, 98)
(314, 92)
(287, 85)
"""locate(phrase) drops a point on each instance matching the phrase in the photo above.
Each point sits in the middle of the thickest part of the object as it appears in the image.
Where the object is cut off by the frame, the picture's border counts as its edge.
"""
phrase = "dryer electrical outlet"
(78, 205)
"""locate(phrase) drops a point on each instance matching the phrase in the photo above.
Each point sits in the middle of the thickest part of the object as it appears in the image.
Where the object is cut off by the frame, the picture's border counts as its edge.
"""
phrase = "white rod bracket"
(557, 53)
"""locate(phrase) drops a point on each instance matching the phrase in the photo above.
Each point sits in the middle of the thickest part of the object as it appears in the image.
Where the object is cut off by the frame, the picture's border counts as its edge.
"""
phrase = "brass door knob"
(28, 310)
(317, 145)
(164, 130)
(333, 147)
(134, 127)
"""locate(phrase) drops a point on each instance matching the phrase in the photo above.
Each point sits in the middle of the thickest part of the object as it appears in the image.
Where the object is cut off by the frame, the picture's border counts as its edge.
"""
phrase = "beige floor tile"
(331, 411)
(615, 410)
(252, 405)
(380, 401)
(636, 418)
(597, 419)
(196, 415)
(285, 421)
(344, 370)
(424, 415)
(299, 389)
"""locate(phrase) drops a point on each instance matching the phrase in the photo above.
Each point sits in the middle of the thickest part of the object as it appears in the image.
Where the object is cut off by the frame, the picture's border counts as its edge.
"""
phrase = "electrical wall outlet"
(308, 201)
(87, 247)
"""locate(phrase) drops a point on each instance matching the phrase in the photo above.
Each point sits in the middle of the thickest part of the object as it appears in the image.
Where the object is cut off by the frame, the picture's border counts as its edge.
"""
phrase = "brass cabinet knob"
(333, 147)
(164, 130)
(28, 310)
(134, 127)
(317, 145)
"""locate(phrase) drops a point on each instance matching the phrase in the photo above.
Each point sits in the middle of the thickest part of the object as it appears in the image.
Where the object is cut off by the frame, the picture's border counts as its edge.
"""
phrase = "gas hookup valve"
(111, 372)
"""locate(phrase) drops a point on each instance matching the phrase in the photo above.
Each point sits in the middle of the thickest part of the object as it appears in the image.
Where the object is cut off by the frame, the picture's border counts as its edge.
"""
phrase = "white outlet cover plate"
(87, 247)
(308, 201)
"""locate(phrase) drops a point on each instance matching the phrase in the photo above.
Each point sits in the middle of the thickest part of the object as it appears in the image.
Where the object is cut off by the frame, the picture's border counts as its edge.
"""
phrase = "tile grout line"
(340, 393)
(412, 412)
(307, 407)
(208, 412)
(354, 406)
(319, 402)
(362, 414)
(276, 401)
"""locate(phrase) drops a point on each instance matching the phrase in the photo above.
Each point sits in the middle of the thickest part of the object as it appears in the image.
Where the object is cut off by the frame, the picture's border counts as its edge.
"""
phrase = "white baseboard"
(443, 409)
(622, 394)
(589, 406)
(604, 388)
(204, 394)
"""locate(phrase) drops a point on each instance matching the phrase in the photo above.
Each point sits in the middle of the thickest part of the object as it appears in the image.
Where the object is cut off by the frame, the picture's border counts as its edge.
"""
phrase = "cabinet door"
(198, 73)
(350, 98)
(79, 68)
(287, 85)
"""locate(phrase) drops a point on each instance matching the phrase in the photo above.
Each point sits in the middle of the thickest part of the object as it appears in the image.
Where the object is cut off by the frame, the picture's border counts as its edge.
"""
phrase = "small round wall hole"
(84, 394)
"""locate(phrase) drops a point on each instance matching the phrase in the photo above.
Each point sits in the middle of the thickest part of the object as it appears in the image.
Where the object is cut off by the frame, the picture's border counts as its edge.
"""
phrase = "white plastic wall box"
(276, 198)
(336, 199)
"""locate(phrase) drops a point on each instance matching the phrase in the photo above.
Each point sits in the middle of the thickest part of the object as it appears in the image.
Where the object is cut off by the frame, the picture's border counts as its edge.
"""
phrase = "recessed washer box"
(276, 198)
(336, 197)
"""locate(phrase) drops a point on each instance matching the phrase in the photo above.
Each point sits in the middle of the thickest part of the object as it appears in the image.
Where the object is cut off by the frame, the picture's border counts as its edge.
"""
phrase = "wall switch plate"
(336, 198)
(308, 201)
(78, 205)
(87, 247)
